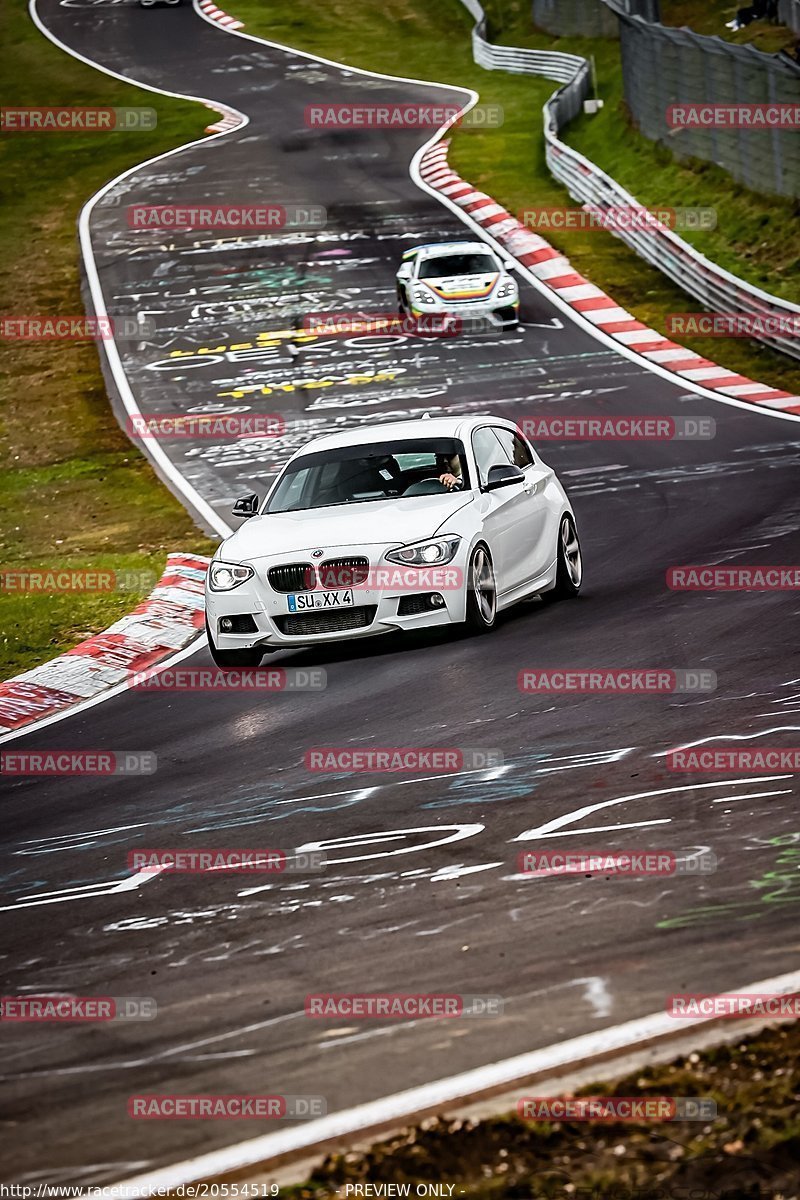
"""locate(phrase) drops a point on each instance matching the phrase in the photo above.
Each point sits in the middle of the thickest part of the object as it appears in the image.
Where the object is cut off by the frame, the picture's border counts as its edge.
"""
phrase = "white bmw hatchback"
(441, 521)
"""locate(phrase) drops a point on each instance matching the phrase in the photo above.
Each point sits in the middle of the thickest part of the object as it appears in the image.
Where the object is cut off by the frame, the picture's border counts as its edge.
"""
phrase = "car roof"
(451, 427)
(434, 249)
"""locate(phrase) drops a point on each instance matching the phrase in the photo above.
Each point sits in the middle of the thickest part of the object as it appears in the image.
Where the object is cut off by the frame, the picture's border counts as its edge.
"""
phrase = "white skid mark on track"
(72, 841)
(85, 891)
(456, 870)
(730, 737)
(555, 828)
(752, 796)
(149, 1060)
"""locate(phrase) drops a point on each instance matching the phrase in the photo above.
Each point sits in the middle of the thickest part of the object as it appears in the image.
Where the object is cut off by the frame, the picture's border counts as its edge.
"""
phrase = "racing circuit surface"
(421, 892)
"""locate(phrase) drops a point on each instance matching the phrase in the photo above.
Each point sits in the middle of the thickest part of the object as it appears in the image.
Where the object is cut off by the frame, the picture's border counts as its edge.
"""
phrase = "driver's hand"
(450, 481)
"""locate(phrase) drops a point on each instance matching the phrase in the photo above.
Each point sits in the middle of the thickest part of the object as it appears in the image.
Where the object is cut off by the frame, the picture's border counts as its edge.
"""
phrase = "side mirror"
(406, 271)
(247, 506)
(502, 476)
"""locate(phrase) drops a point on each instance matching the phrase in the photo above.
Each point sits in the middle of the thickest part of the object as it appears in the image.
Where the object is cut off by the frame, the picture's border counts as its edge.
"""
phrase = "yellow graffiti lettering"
(240, 393)
(309, 385)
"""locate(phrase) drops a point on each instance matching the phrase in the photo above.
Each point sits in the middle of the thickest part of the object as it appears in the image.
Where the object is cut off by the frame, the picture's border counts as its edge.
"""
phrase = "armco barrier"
(715, 288)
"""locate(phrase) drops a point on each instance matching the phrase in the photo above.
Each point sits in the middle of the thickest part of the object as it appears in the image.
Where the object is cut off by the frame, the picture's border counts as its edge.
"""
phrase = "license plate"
(304, 601)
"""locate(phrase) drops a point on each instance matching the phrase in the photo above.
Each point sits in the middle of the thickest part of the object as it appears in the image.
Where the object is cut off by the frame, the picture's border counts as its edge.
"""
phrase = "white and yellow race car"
(464, 279)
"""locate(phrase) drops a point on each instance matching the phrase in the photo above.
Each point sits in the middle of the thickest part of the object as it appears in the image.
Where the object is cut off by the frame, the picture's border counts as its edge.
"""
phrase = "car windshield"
(457, 264)
(375, 472)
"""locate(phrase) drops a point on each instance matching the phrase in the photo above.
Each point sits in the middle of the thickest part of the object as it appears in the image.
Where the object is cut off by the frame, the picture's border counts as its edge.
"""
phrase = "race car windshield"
(372, 473)
(457, 264)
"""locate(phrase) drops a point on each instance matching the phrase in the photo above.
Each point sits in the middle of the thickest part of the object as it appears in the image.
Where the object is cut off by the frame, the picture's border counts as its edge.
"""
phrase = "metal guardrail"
(547, 63)
(715, 288)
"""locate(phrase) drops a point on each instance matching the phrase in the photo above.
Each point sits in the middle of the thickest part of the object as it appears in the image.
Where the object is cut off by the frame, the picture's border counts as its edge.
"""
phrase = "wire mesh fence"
(590, 18)
(575, 18)
(715, 288)
(789, 14)
(671, 78)
(663, 67)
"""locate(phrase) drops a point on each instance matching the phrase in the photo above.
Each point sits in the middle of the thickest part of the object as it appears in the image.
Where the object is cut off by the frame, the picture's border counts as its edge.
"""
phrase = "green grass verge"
(74, 492)
(758, 237)
(750, 1150)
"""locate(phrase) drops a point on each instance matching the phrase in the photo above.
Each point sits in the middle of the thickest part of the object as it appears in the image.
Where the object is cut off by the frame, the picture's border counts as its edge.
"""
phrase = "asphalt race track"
(425, 897)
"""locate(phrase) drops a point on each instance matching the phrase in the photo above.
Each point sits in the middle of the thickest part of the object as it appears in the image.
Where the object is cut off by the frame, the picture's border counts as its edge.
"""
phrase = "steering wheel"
(430, 486)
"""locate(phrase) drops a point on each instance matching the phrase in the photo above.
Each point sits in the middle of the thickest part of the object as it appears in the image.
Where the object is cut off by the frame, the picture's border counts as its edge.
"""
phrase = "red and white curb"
(168, 620)
(216, 14)
(230, 119)
(556, 272)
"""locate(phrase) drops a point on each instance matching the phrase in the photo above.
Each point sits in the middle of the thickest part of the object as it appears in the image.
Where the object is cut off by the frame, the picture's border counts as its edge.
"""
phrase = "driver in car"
(450, 472)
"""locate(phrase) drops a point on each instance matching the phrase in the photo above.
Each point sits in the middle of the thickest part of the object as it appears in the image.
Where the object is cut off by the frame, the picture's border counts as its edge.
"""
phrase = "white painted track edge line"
(403, 1106)
(154, 452)
(442, 1091)
(577, 318)
(157, 455)
(197, 643)
(686, 385)
(330, 62)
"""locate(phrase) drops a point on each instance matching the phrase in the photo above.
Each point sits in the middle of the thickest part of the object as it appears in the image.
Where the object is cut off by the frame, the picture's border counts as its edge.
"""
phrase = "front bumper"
(377, 609)
(501, 314)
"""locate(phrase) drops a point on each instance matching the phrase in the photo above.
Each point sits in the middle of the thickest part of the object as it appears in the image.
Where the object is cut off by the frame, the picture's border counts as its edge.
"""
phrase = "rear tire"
(481, 592)
(250, 657)
(569, 572)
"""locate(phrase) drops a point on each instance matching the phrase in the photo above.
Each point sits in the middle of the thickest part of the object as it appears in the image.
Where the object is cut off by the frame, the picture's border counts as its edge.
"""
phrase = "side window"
(488, 452)
(515, 447)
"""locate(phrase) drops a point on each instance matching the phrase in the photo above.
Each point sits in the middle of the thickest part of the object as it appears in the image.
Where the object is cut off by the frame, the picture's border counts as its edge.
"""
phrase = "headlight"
(224, 577)
(426, 554)
(509, 288)
(423, 296)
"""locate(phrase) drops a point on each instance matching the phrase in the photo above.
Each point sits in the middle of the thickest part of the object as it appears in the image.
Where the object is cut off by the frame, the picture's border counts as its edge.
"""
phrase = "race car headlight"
(509, 288)
(224, 577)
(426, 554)
(423, 296)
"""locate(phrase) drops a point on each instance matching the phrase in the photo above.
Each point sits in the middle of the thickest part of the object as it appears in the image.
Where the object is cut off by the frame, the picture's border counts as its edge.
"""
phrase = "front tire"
(249, 657)
(481, 592)
(569, 572)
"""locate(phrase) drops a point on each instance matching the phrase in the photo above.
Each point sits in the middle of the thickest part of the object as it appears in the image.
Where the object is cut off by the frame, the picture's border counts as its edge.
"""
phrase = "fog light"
(436, 600)
(226, 624)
